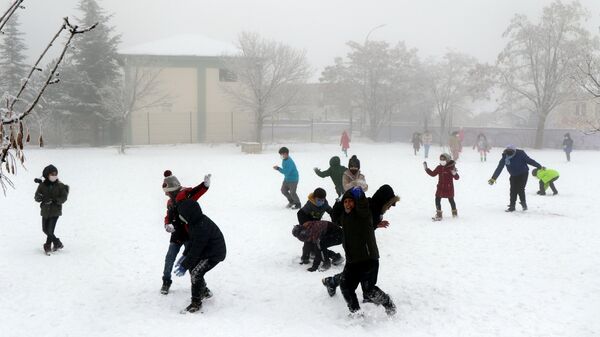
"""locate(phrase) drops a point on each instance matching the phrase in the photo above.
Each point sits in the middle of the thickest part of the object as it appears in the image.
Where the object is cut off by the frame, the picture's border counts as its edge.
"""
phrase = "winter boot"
(524, 206)
(455, 213)
(47, 249)
(194, 306)
(390, 307)
(165, 286)
(541, 192)
(329, 284)
(337, 259)
(57, 245)
(304, 260)
(438, 216)
(206, 293)
(511, 208)
(296, 206)
(325, 265)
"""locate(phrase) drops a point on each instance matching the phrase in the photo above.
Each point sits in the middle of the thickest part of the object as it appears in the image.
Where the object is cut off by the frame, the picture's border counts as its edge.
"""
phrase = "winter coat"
(568, 145)
(546, 176)
(336, 172)
(51, 196)
(380, 202)
(311, 212)
(445, 186)
(416, 140)
(427, 138)
(345, 141)
(359, 236)
(352, 180)
(289, 171)
(515, 164)
(206, 240)
(180, 235)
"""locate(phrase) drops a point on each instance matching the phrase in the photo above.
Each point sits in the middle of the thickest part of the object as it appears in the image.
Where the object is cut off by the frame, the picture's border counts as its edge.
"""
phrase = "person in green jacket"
(51, 194)
(335, 172)
(547, 178)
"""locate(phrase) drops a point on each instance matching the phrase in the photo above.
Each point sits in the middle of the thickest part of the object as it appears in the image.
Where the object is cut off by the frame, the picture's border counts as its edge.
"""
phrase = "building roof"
(182, 45)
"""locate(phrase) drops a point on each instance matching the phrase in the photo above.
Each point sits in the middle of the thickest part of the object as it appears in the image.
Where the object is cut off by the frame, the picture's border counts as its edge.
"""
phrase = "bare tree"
(588, 78)
(268, 74)
(13, 133)
(539, 58)
(137, 89)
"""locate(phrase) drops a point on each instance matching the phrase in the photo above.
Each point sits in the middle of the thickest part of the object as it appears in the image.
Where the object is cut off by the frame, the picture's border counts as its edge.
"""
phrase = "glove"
(425, 165)
(207, 180)
(454, 172)
(179, 270)
(169, 228)
(543, 168)
(316, 169)
(356, 192)
(492, 181)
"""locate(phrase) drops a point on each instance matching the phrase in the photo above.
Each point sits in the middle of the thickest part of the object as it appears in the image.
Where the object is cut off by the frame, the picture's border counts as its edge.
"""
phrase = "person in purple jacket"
(516, 162)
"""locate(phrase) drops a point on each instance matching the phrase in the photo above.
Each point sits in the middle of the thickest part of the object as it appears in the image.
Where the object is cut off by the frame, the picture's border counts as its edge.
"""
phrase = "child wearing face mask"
(352, 177)
(51, 194)
(447, 173)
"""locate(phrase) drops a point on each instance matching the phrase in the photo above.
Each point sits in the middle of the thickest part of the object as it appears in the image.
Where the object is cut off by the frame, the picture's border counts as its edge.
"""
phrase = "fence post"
(148, 125)
(312, 129)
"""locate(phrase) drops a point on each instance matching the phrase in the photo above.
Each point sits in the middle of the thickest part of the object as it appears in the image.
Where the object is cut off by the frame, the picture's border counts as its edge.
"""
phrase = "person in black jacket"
(362, 253)
(51, 194)
(313, 210)
(205, 250)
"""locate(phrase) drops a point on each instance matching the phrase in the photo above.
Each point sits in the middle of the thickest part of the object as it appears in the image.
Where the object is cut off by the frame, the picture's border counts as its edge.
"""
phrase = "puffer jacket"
(51, 196)
(354, 180)
(445, 186)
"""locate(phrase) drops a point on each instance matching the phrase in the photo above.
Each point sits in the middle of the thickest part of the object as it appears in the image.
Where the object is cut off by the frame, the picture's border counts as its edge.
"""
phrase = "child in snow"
(336, 172)
(205, 250)
(318, 236)
(290, 178)
(345, 142)
(547, 178)
(313, 210)
(353, 177)
(455, 145)
(482, 146)
(174, 225)
(362, 254)
(447, 173)
(567, 145)
(51, 194)
(427, 140)
(416, 142)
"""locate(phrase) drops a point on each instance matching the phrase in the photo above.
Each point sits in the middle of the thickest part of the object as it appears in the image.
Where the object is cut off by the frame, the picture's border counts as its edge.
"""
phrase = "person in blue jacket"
(516, 162)
(290, 178)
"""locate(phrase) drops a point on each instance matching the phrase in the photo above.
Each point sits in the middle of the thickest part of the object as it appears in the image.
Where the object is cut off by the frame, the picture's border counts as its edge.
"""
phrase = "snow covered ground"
(486, 273)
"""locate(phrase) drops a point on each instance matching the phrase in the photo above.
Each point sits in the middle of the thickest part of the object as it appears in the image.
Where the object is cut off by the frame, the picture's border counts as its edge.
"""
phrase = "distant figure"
(568, 145)
(447, 173)
(482, 145)
(290, 178)
(516, 162)
(461, 134)
(427, 140)
(345, 142)
(416, 142)
(51, 194)
(547, 178)
(455, 145)
(336, 172)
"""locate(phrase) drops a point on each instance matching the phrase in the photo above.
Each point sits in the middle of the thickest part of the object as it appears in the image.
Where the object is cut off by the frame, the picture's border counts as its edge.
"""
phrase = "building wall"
(176, 123)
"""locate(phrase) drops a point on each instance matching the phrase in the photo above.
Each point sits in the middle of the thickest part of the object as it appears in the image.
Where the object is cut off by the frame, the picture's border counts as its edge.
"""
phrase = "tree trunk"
(539, 133)
(259, 127)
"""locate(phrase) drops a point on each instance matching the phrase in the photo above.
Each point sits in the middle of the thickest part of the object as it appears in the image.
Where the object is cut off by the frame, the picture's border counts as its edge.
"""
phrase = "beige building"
(195, 108)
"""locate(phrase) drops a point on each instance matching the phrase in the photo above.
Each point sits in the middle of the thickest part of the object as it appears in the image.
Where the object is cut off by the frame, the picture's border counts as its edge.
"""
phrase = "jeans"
(48, 227)
(288, 189)
(170, 258)
(426, 149)
(517, 188)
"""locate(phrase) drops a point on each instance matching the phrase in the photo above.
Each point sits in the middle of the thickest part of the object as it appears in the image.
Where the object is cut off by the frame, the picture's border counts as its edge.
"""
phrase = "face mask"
(282, 157)
(53, 178)
(443, 162)
(320, 202)
(509, 152)
(353, 170)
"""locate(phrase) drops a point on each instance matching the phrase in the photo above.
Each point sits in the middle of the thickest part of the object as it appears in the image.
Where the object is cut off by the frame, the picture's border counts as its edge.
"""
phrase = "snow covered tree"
(12, 57)
(539, 60)
(268, 73)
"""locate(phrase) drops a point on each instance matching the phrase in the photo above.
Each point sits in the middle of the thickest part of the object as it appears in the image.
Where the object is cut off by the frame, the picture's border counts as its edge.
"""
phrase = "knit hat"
(511, 147)
(320, 193)
(170, 183)
(354, 162)
(49, 169)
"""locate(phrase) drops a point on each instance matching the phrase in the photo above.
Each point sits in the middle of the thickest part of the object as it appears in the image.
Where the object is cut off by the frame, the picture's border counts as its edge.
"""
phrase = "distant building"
(190, 73)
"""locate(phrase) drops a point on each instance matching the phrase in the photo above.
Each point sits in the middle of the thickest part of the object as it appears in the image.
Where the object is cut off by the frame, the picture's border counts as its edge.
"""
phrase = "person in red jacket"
(174, 225)
(345, 142)
(447, 173)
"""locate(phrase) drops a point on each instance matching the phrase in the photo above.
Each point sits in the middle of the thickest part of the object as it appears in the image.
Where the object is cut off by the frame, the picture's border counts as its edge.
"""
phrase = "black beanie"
(320, 193)
(354, 162)
(49, 169)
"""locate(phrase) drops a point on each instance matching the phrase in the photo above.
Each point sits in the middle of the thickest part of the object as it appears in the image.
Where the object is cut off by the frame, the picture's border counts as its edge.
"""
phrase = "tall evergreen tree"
(13, 68)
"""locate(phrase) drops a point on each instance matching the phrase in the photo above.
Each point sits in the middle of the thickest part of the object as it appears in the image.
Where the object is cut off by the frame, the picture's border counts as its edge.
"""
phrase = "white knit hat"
(170, 183)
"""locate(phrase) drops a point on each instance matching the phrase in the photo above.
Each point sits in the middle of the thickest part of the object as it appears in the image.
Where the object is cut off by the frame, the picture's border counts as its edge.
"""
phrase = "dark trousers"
(517, 187)
(197, 277)
(438, 203)
(328, 239)
(568, 153)
(48, 227)
(365, 273)
(170, 258)
(288, 189)
(550, 184)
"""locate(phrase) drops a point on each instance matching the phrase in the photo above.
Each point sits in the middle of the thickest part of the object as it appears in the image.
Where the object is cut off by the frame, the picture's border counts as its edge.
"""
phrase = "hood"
(49, 169)
(190, 210)
(334, 161)
(384, 197)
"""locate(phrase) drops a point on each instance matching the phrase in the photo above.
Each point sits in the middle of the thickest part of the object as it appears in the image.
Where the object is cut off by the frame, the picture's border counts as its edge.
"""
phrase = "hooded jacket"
(311, 212)
(51, 195)
(181, 234)
(380, 202)
(546, 176)
(336, 172)
(353, 180)
(206, 240)
(445, 186)
(515, 164)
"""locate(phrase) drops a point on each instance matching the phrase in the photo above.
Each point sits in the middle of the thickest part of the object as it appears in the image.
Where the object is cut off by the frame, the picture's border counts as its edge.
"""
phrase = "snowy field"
(486, 273)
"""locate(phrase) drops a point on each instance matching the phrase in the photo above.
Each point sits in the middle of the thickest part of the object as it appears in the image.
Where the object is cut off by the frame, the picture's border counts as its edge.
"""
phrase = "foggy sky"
(321, 27)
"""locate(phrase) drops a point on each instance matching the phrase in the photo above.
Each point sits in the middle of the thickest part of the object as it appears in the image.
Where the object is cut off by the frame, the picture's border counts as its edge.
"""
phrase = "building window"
(227, 76)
